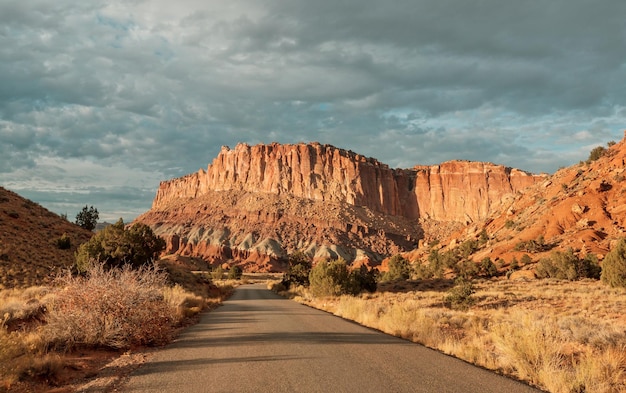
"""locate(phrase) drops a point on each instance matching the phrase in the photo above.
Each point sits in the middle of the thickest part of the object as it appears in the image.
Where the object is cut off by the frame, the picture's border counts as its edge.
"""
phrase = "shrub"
(567, 266)
(64, 242)
(235, 273)
(596, 153)
(113, 308)
(614, 266)
(467, 268)
(399, 269)
(87, 218)
(362, 279)
(116, 246)
(538, 245)
(468, 247)
(217, 273)
(460, 296)
(298, 270)
(329, 278)
(488, 268)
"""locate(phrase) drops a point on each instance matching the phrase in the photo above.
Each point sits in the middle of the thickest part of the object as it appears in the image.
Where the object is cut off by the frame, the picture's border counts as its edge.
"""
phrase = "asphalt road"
(260, 342)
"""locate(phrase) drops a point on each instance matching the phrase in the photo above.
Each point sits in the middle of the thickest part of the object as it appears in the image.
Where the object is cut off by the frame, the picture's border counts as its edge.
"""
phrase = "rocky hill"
(255, 204)
(30, 252)
(582, 207)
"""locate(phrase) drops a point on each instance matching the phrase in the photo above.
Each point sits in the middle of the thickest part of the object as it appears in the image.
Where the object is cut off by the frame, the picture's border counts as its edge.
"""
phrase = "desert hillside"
(255, 204)
(30, 252)
(582, 207)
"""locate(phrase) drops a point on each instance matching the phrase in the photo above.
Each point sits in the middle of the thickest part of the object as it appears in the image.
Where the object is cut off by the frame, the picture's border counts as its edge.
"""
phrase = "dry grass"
(118, 309)
(110, 308)
(560, 336)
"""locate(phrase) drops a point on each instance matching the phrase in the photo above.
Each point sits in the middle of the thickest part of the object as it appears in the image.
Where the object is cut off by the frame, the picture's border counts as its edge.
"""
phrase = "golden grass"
(560, 336)
(117, 309)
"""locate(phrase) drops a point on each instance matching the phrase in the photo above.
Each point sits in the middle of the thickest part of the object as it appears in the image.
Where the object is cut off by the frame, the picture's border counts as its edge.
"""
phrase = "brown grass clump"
(558, 335)
(117, 308)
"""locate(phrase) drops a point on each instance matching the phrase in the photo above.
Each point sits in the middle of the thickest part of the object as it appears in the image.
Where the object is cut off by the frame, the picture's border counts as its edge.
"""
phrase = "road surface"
(260, 342)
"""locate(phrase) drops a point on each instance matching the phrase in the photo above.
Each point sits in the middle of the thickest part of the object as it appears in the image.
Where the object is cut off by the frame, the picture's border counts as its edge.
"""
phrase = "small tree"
(596, 153)
(399, 269)
(116, 246)
(88, 218)
(298, 270)
(362, 279)
(614, 266)
(235, 273)
(329, 278)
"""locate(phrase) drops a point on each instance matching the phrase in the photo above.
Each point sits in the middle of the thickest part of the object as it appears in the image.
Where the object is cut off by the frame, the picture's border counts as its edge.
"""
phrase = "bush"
(614, 266)
(64, 242)
(329, 278)
(488, 268)
(538, 245)
(112, 308)
(298, 270)
(596, 153)
(467, 268)
(235, 273)
(334, 279)
(362, 279)
(460, 296)
(87, 218)
(567, 266)
(116, 246)
(217, 273)
(399, 269)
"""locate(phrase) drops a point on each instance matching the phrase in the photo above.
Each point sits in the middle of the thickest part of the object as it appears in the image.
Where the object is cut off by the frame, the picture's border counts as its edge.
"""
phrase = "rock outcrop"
(257, 203)
(452, 191)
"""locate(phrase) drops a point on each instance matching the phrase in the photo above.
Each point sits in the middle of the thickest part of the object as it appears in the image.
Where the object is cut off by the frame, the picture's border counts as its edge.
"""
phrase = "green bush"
(217, 273)
(87, 218)
(596, 153)
(298, 270)
(116, 246)
(614, 266)
(488, 268)
(329, 278)
(567, 266)
(460, 296)
(537, 245)
(64, 242)
(362, 279)
(235, 273)
(399, 269)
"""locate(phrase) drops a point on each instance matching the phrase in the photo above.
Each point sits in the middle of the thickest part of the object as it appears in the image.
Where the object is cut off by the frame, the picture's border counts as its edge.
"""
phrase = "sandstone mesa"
(255, 204)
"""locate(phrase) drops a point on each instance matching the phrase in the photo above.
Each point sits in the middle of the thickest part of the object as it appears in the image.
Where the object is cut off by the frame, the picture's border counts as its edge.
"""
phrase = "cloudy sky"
(100, 100)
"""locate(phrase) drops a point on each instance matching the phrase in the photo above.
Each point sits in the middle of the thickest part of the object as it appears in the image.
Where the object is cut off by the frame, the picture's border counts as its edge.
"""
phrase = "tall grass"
(560, 336)
(115, 309)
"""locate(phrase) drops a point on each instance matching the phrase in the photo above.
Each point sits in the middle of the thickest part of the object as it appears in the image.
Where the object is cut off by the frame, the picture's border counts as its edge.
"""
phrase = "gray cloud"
(101, 100)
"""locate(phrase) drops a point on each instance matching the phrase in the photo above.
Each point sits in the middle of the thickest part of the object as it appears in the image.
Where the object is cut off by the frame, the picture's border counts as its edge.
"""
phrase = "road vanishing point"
(260, 342)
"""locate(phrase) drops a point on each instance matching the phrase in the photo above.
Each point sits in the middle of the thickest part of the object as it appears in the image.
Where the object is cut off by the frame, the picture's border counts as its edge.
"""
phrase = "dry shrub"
(117, 308)
(186, 304)
(23, 304)
(532, 348)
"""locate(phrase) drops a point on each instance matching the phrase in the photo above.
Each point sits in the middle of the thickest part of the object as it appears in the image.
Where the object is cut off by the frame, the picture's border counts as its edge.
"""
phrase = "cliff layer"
(254, 204)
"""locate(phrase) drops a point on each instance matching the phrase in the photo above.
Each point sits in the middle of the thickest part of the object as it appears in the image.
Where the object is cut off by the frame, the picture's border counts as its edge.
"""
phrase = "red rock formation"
(255, 204)
(453, 191)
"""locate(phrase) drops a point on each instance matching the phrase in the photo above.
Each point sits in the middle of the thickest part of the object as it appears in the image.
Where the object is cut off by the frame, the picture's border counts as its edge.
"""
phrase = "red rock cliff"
(453, 191)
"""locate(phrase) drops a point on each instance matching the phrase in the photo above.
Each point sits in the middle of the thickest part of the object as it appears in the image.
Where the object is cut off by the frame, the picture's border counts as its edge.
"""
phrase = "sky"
(102, 100)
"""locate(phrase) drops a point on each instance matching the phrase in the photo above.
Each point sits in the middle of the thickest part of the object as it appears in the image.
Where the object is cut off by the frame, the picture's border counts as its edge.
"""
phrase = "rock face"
(260, 202)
